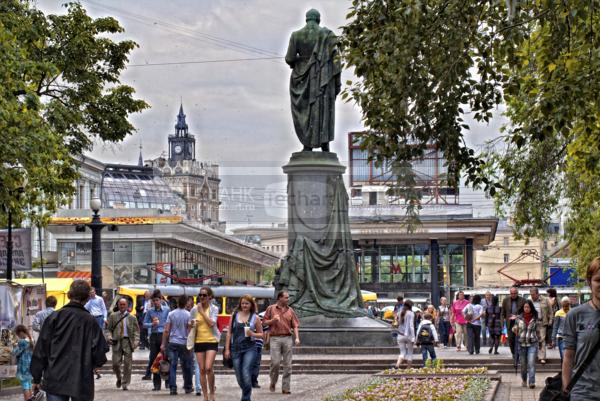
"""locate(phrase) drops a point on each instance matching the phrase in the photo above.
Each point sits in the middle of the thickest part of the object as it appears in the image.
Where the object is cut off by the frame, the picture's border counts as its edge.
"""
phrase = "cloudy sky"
(238, 110)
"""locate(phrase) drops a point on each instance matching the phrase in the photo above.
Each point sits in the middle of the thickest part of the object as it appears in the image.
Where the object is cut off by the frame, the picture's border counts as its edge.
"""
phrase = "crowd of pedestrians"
(72, 345)
(527, 326)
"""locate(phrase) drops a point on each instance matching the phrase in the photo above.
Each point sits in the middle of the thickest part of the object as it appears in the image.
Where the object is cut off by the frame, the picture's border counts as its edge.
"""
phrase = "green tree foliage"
(59, 89)
(423, 65)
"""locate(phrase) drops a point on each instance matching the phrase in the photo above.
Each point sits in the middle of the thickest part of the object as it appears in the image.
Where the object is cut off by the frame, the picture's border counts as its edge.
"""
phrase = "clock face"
(177, 149)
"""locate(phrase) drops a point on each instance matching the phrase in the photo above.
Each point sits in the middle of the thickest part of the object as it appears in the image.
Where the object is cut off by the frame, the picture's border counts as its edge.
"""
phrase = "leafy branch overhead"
(59, 90)
(422, 66)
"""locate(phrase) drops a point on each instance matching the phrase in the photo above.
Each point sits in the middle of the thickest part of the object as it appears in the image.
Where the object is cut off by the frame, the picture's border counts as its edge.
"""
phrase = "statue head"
(313, 15)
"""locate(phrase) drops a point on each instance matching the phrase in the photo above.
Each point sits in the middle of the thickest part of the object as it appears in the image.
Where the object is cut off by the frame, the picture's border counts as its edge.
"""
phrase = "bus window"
(219, 302)
(232, 303)
(262, 304)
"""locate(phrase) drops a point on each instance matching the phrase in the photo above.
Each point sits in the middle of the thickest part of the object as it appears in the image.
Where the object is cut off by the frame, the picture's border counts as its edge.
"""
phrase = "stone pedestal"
(320, 331)
(319, 272)
(310, 193)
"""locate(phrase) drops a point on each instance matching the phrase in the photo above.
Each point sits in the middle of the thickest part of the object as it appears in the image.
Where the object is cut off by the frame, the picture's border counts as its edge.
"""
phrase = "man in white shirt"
(97, 308)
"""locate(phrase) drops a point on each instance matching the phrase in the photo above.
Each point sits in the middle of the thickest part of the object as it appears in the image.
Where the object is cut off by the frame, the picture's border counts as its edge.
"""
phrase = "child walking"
(427, 337)
(23, 351)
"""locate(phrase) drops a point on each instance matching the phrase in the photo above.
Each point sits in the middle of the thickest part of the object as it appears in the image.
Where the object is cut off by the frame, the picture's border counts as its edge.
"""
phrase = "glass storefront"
(130, 262)
(123, 262)
(410, 263)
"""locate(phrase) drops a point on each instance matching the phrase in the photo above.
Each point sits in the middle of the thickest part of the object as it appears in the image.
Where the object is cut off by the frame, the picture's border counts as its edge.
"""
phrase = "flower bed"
(437, 370)
(461, 388)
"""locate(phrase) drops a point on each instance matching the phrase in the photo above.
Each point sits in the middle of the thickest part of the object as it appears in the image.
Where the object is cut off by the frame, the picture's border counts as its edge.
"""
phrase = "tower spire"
(181, 128)
(141, 159)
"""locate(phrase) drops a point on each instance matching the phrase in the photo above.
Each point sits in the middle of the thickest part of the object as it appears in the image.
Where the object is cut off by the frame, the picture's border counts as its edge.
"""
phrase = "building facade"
(517, 259)
(273, 239)
(166, 213)
(436, 257)
(143, 239)
(197, 182)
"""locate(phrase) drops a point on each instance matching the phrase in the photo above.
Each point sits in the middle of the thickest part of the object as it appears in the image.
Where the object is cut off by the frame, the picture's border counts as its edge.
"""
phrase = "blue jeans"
(428, 349)
(561, 347)
(177, 352)
(256, 367)
(528, 357)
(444, 331)
(54, 397)
(243, 363)
(100, 321)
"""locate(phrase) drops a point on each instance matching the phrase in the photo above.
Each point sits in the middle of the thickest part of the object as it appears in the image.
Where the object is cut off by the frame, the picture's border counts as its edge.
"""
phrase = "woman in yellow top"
(559, 325)
(207, 340)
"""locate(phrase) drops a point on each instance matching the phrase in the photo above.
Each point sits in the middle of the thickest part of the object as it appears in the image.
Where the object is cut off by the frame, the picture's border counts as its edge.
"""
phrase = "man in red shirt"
(282, 320)
(458, 320)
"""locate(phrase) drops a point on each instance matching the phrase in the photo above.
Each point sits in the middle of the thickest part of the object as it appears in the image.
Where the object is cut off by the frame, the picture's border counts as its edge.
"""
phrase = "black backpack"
(425, 335)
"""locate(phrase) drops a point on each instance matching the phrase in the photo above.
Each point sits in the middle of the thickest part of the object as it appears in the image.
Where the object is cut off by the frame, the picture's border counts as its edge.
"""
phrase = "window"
(506, 258)
(366, 273)
(372, 198)
(505, 241)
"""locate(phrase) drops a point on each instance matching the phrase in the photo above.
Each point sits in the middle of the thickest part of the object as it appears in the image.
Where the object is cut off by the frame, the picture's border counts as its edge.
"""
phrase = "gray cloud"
(238, 111)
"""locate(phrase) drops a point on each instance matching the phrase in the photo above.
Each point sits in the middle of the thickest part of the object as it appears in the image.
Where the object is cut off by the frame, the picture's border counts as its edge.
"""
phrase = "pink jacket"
(457, 307)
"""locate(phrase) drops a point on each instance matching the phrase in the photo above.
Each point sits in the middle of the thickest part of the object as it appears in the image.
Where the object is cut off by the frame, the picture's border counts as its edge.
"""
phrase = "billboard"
(21, 238)
(563, 276)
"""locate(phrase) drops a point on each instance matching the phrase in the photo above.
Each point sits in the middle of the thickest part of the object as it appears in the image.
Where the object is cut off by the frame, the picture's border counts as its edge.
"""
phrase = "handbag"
(552, 391)
(191, 338)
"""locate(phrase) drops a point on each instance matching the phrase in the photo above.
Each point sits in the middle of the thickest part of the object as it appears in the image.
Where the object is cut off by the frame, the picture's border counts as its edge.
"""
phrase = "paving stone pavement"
(511, 390)
(304, 387)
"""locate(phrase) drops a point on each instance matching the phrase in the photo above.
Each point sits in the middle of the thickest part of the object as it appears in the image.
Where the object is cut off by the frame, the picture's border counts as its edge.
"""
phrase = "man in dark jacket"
(511, 307)
(71, 345)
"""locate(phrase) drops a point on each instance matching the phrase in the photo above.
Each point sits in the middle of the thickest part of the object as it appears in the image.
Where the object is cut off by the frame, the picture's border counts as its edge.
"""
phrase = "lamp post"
(9, 241)
(96, 226)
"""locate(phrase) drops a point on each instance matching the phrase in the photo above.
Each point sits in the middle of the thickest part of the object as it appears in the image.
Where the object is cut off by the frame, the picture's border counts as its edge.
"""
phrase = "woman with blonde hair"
(240, 345)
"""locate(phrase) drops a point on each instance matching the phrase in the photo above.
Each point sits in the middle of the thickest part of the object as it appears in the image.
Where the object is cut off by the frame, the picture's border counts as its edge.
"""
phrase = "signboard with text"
(21, 238)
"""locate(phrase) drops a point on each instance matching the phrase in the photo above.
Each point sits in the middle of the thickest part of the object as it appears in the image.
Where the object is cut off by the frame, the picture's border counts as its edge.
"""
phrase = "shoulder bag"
(552, 391)
(191, 338)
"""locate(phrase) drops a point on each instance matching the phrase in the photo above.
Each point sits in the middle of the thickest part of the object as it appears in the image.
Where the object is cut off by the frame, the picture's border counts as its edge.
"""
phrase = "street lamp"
(96, 226)
(8, 208)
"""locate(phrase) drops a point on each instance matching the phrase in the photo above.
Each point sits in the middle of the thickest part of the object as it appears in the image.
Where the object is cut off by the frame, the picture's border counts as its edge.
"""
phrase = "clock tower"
(182, 145)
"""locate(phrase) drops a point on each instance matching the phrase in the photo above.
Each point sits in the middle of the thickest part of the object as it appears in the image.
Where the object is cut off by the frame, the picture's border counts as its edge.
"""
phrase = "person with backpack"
(427, 337)
(472, 313)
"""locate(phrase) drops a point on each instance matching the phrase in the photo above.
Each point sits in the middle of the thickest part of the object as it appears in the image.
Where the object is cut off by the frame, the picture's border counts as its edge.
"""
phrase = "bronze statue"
(315, 82)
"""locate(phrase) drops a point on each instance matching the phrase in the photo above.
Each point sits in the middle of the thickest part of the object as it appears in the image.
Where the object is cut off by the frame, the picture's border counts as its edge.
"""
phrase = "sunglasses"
(202, 295)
